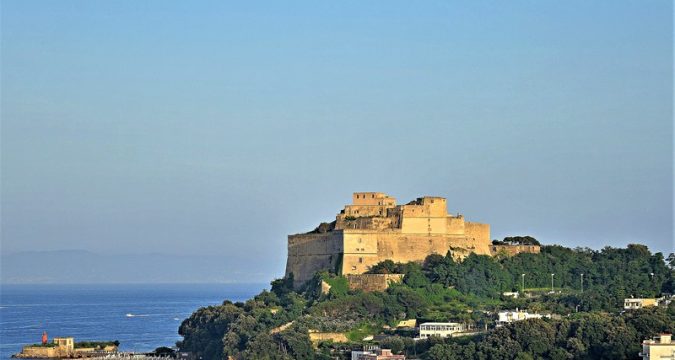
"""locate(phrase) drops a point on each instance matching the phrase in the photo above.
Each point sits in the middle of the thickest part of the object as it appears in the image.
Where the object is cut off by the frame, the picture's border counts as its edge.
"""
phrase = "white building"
(666, 300)
(440, 329)
(376, 354)
(639, 303)
(660, 348)
(513, 294)
(505, 317)
(357, 353)
(367, 349)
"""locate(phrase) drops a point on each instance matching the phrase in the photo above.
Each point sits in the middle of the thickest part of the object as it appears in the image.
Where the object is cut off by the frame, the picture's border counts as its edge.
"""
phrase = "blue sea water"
(141, 317)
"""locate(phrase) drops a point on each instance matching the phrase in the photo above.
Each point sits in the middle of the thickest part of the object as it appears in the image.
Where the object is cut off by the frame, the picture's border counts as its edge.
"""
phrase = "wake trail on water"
(129, 315)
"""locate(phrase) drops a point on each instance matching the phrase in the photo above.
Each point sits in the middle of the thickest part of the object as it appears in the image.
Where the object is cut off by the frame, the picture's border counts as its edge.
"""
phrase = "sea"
(141, 316)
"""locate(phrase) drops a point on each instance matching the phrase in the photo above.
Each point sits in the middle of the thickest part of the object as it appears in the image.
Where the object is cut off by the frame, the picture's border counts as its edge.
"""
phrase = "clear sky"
(219, 128)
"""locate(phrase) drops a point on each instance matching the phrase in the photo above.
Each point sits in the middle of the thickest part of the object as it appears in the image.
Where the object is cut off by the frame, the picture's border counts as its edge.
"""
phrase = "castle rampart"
(373, 229)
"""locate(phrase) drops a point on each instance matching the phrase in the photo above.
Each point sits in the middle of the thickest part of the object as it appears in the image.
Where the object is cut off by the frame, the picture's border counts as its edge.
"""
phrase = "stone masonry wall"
(512, 250)
(372, 282)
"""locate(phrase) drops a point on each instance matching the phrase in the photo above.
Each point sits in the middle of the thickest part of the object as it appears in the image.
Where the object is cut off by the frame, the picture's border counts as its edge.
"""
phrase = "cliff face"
(373, 229)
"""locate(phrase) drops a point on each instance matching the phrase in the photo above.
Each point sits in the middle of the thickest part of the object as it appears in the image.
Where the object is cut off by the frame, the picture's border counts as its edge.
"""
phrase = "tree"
(521, 240)
(283, 286)
(394, 343)
(414, 277)
(442, 352)
(203, 331)
(385, 267)
(164, 351)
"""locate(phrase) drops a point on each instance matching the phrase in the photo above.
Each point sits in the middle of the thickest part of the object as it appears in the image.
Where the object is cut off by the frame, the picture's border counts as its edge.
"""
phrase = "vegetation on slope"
(96, 344)
(442, 289)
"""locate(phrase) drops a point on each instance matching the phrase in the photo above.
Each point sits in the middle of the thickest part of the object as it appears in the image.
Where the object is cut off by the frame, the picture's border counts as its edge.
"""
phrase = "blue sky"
(219, 128)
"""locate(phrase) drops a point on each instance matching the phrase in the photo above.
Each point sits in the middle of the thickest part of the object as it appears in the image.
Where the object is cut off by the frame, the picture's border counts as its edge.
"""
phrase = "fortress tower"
(373, 229)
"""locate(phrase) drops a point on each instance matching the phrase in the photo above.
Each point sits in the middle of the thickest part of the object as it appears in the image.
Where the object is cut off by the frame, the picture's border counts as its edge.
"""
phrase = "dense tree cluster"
(609, 275)
(275, 324)
(243, 330)
(517, 240)
(582, 336)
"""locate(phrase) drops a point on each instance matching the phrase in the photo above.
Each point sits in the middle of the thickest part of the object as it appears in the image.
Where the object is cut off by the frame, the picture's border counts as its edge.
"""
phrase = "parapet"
(372, 199)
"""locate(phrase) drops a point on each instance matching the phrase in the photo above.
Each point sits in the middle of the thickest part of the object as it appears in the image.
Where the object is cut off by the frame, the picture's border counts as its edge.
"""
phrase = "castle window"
(372, 196)
(360, 260)
(353, 267)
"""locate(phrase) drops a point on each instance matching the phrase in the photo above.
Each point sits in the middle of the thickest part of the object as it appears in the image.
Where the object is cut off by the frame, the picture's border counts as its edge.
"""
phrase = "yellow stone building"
(64, 348)
(660, 347)
(633, 303)
(373, 228)
(59, 348)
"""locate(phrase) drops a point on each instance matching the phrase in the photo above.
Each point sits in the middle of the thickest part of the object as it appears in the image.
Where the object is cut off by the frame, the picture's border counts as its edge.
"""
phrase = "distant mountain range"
(79, 266)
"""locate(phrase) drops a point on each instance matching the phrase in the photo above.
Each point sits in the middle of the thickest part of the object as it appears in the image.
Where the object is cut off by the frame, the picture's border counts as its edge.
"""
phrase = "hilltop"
(281, 323)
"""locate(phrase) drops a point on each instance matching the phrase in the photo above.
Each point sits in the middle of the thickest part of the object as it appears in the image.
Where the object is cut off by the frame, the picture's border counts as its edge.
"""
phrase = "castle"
(373, 229)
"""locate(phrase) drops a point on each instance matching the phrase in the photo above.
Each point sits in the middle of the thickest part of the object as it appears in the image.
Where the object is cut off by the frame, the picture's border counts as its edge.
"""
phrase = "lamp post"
(652, 275)
(552, 282)
(522, 283)
(582, 283)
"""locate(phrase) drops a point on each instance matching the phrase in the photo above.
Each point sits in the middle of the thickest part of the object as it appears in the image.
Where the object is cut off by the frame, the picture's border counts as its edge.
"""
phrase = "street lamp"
(582, 283)
(552, 282)
(652, 275)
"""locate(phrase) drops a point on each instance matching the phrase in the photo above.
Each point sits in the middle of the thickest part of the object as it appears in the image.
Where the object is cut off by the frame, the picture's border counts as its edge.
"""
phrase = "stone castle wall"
(308, 253)
(355, 252)
(478, 237)
(30, 352)
(372, 282)
(374, 229)
(57, 352)
(512, 250)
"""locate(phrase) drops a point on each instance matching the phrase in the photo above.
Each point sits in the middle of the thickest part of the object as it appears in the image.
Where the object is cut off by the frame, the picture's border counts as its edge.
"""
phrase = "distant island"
(424, 284)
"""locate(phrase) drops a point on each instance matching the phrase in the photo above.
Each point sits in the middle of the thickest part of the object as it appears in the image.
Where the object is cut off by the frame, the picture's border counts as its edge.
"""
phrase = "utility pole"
(552, 282)
(522, 284)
